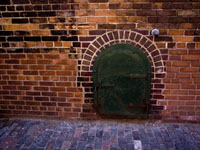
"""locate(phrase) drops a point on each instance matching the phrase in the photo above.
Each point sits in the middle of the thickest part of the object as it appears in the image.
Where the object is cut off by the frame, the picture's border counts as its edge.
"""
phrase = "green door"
(121, 78)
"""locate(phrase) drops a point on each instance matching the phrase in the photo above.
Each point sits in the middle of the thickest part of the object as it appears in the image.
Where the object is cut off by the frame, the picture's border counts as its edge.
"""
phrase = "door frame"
(147, 64)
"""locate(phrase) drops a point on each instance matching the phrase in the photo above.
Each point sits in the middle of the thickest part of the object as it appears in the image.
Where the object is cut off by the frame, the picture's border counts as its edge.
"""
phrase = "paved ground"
(64, 135)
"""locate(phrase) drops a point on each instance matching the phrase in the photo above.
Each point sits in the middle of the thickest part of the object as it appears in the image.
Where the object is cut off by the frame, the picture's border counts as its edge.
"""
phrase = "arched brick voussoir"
(121, 34)
(143, 40)
(116, 35)
(129, 37)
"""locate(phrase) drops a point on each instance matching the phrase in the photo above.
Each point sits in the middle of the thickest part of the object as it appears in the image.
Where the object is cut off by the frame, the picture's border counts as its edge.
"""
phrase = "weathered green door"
(122, 82)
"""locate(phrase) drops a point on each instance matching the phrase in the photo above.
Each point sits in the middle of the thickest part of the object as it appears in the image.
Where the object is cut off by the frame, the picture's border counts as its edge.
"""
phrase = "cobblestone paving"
(20, 134)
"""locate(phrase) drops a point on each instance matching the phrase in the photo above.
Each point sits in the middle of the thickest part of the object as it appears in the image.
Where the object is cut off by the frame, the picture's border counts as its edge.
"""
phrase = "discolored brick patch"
(18, 134)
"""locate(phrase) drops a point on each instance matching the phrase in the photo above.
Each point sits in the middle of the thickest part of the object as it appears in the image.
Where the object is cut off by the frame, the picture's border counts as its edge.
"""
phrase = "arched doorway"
(121, 77)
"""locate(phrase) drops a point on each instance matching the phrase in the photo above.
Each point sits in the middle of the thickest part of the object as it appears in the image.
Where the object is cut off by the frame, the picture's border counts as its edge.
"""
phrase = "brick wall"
(48, 48)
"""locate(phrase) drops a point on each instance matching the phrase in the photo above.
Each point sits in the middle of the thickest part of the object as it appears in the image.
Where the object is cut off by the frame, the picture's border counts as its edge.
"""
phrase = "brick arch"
(128, 37)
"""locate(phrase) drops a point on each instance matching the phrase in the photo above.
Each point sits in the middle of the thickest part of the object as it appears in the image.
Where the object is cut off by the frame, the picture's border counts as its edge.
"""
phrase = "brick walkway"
(64, 135)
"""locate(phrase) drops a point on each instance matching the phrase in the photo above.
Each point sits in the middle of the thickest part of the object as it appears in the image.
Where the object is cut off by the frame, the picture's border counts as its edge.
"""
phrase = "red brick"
(37, 113)
(24, 87)
(51, 56)
(18, 102)
(47, 72)
(41, 99)
(183, 39)
(4, 102)
(179, 92)
(189, 108)
(30, 72)
(96, 19)
(13, 72)
(14, 82)
(62, 62)
(49, 94)
(47, 83)
(105, 13)
(12, 61)
(172, 86)
(64, 104)
(60, 89)
(51, 109)
(63, 84)
(4, 82)
(30, 83)
(35, 108)
(75, 100)
(34, 56)
(44, 61)
(10, 97)
(88, 115)
(43, 108)
(18, 56)
(21, 67)
(70, 114)
(40, 88)
(13, 77)
(28, 61)
(4, 92)
(197, 80)
(189, 70)
(48, 104)
(146, 13)
(196, 75)
(159, 86)
(191, 58)
(53, 67)
(4, 56)
(3, 72)
(185, 81)
(178, 52)
(70, 67)
(176, 103)
(174, 69)
(76, 110)
(33, 93)
(5, 66)
(195, 63)
(183, 75)
(74, 89)
(65, 94)
(64, 73)
(188, 86)
(9, 87)
(175, 80)
(19, 112)
(78, 95)
(36, 67)
(181, 45)
(73, 79)
(51, 113)
(194, 52)
(58, 99)
(180, 64)
(186, 97)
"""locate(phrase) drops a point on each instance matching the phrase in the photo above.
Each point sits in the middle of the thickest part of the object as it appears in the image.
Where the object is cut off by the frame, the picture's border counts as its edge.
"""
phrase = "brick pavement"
(21, 134)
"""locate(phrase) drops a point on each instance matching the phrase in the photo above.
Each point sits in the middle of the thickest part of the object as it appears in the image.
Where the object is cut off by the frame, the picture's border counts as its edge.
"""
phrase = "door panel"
(122, 82)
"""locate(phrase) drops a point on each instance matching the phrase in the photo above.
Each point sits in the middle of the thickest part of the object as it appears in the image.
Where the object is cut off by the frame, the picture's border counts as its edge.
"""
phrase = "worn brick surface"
(64, 135)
